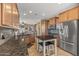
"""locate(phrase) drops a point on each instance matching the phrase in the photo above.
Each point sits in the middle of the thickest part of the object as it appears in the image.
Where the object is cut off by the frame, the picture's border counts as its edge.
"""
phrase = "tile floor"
(33, 52)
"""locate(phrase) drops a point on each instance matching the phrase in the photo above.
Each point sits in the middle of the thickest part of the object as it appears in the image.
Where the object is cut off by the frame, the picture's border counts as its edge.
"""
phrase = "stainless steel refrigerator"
(69, 36)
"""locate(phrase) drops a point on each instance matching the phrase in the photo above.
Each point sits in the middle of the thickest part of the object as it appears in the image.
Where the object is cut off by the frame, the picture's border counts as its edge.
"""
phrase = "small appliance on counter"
(2, 36)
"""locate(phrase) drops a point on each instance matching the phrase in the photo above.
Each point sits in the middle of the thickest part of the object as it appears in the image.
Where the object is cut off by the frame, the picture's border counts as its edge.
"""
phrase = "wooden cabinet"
(44, 27)
(15, 15)
(60, 17)
(0, 14)
(7, 14)
(57, 20)
(63, 17)
(53, 21)
(38, 29)
(73, 13)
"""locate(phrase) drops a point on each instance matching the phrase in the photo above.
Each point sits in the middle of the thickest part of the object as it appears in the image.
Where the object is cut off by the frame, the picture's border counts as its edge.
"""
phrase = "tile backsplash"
(8, 33)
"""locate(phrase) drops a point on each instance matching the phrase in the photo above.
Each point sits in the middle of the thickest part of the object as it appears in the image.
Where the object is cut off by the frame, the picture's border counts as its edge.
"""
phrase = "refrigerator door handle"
(64, 31)
(67, 31)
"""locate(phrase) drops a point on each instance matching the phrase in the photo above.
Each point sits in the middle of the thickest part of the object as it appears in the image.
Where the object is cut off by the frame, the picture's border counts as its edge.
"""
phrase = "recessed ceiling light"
(59, 3)
(43, 14)
(24, 13)
(30, 11)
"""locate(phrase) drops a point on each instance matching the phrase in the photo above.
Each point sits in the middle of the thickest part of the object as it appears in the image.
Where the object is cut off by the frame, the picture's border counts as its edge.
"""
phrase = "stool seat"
(48, 46)
(47, 43)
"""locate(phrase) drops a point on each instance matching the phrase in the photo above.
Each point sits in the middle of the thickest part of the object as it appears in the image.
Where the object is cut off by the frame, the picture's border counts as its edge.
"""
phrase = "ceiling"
(32, 13)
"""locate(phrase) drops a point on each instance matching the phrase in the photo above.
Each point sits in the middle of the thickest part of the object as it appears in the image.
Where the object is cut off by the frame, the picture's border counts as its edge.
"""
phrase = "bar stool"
(49, 47)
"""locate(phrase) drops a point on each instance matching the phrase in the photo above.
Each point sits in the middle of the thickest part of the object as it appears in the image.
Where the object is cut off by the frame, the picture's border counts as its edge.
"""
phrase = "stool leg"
(55, 47)
(51, 49)
(48, 50)
(44, 49)
(39, 48)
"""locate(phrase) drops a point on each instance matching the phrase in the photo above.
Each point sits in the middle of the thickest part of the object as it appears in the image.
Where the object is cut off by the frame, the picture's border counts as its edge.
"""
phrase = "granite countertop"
(13, 47)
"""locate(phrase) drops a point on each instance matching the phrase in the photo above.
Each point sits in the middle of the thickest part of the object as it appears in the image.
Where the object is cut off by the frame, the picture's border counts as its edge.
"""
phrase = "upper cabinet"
(15, 15)
(0, 14)
(53, 21)
(72, 14)
(63, 17)
(44, 27)
(7, 14)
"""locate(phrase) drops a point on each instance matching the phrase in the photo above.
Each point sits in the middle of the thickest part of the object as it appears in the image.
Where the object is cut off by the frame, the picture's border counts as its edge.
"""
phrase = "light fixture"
(24, 14)
(43, 14)
(30, 11)
(59, 3)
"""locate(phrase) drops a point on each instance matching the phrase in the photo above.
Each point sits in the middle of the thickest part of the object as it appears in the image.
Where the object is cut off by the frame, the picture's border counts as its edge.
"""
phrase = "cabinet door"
(0, 13)
(52, 21)
(7, 14)
(63, 17)
(45, 27)
(73, 14)
(15, 16)
(57, 20)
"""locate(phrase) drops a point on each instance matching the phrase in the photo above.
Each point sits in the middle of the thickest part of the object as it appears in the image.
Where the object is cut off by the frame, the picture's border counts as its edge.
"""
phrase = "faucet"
(2, 36)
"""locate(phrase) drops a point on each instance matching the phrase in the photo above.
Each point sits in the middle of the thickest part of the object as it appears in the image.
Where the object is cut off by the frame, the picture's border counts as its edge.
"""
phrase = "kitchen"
(41, 29)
